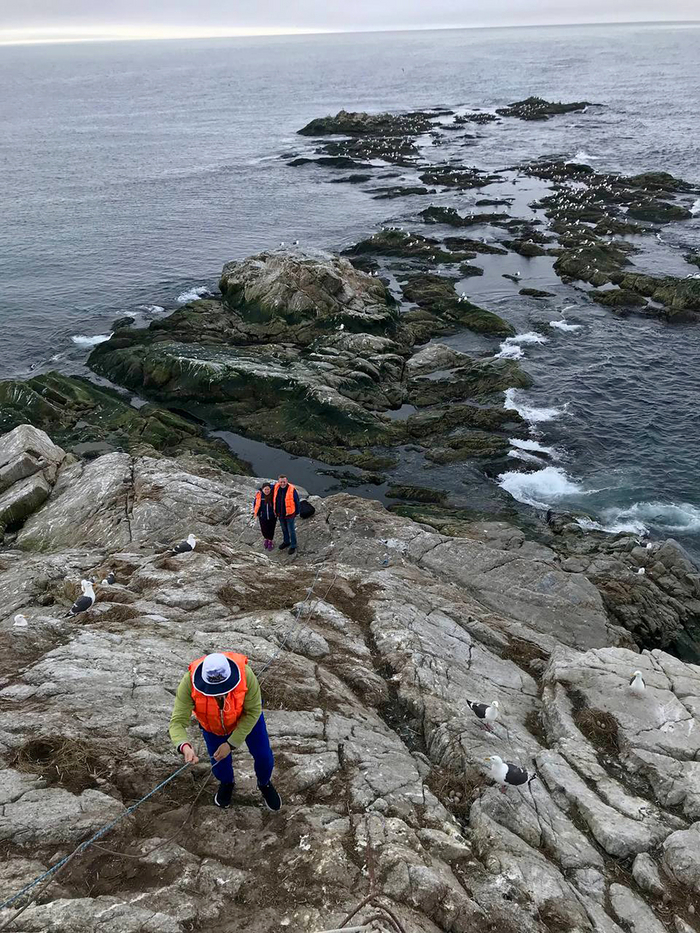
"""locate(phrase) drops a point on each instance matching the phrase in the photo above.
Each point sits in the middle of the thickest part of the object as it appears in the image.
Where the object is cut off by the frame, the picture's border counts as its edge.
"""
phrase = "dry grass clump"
(69, 763)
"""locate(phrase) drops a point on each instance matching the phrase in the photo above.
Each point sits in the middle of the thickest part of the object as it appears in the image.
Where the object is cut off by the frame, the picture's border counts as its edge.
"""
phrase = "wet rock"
(368, 124)
(535, 293)
(536, 108)
(436, 295)
(618, 298)
(452, 218)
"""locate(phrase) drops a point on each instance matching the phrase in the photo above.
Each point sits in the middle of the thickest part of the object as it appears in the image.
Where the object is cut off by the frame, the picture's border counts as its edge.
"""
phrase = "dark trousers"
(289, 532)
(259, 747)
(267, 527)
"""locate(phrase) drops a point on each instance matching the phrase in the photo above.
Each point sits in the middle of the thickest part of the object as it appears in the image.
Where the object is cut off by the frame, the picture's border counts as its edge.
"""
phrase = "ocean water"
(132, 171)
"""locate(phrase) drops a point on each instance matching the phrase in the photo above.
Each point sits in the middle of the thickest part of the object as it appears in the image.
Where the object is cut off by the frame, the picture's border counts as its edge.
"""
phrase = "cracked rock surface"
(379, 759)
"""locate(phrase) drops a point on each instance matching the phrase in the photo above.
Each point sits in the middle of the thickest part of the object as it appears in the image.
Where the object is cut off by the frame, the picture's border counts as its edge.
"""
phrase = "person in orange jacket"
(286, 509)
(223, 694)
(264, 510)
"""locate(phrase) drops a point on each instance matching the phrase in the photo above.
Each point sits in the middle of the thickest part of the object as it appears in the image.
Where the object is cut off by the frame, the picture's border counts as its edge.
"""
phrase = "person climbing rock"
(264, 509)
(223, 693)
(286, 509)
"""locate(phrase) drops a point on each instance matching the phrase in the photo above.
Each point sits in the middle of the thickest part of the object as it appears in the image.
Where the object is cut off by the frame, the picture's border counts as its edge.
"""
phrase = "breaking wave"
(81, 340)
(564, 325)
(535, 447)
(511, 348)
(192, 294)
(666, 516)
(695, 209)
(540, 489)
(530, 413)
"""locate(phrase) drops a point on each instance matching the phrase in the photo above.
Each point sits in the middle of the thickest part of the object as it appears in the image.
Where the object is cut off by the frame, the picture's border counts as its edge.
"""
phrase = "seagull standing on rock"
(506, 773)
(21, 620)
(110, 579)
(84, 602)
(486, 713)
(189, 544)
(637, 685)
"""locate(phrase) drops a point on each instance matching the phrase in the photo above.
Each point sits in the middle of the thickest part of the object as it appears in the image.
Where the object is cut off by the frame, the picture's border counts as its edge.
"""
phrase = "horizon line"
(123, 34)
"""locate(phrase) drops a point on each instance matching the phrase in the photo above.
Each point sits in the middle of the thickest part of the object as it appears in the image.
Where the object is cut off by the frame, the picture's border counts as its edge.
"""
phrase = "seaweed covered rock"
(88, 420)
(444, 309)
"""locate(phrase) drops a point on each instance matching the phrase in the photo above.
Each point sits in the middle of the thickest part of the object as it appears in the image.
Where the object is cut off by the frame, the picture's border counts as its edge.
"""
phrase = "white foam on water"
(530, 413)
(511, 348)
(564, 325)
(581, 156)
(669, 517)
(695, 209)
(613, 528)
(523, 455)
(82, 340)
(192, 294)
(153, 309)
(535, 447)
(540, 489)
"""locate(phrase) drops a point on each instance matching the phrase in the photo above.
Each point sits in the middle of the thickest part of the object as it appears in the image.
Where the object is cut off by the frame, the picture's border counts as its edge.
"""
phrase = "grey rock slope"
(379, 758)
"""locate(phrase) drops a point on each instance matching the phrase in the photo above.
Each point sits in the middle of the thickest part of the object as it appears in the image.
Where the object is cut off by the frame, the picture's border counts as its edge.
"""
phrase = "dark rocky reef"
(536, 108)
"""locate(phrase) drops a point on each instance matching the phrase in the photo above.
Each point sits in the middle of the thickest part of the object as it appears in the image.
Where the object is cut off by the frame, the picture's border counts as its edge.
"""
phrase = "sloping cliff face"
(379, 759)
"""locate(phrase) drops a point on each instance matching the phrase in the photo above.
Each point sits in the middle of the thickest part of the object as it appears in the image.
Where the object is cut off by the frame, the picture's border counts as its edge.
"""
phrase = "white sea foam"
(535, 447)
(154, 309)
(695, 209)
(540, 489)
(511, 348)
(613, 528)
(581, 156)
(514, 402)
(523, 455)
(669, 517)
(82, 340)
(192, 294)
(564, 325)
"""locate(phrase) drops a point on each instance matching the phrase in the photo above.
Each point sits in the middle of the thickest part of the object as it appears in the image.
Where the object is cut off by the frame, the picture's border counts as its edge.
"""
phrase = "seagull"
(641, 572)
(84, 602)
(296, 242)
(650, 546)
(637, 685)
(21, 620)
(110, 579)
(506, 773)
(184, 546)
(342, 327)
(484, 711)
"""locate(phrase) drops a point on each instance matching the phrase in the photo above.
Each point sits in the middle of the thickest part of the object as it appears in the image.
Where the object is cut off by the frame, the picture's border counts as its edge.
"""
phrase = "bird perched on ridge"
(21, 620)
(486, 713)
(84, 602)
(189, 544)
(637, 685)
(641, 572)
(506, 773)
(110, 579)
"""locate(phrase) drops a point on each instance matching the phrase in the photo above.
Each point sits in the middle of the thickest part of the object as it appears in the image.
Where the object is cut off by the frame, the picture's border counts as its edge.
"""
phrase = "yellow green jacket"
(184, 706)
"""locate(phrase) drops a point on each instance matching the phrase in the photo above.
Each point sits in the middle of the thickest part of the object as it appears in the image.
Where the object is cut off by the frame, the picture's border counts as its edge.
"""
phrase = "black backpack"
(306, 510)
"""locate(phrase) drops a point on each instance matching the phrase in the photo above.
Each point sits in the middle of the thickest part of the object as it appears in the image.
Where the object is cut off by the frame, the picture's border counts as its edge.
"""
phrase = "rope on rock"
(51, 872)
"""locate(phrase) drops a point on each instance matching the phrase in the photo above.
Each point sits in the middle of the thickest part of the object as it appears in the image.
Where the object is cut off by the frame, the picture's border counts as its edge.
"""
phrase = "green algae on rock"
(444, 310)
(88, 420)
(536, 108)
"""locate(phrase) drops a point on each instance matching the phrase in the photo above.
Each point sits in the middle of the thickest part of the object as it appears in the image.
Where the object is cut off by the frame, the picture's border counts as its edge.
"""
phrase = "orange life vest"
(221, 720)
(289, 504)
(259, 499)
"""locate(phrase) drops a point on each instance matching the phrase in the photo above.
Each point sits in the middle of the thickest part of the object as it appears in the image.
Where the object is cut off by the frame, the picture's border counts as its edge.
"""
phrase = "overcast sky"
(37, 19)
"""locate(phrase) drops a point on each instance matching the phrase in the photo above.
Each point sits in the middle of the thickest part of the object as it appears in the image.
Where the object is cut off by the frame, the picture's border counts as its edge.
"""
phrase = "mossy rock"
(479, 381)
(85, 418)
(417, 494)
(535, 293)
(618, 298)
(468, 446)
(658, 212)
(452, 218)
(406, 246)
(536, 108)
(436, 294)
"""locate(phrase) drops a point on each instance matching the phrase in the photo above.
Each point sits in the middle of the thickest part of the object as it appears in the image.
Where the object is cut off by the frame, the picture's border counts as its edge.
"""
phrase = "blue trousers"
(259, 747)
(289, 531)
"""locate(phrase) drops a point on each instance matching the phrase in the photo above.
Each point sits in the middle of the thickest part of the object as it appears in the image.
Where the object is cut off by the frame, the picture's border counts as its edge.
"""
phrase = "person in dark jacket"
(264, 508)
(286, 509)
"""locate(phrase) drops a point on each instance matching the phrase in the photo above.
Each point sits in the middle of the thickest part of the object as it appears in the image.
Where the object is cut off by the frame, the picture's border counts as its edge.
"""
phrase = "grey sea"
(132, 171)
